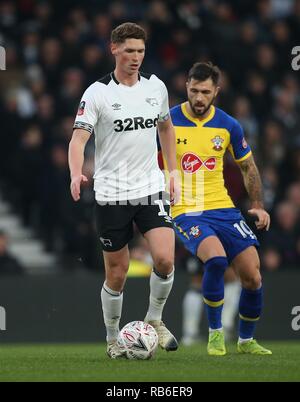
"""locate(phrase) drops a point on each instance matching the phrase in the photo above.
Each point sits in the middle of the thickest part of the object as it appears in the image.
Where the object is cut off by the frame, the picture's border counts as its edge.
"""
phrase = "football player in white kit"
(124, 110)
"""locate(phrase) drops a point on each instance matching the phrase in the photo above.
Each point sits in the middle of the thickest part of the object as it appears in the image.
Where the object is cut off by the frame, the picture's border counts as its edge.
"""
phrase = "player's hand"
(75, 186)
(263, 221)
(175, 188)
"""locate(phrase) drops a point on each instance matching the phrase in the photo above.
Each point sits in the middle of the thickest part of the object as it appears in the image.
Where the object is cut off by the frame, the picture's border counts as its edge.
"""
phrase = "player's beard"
(200, 114)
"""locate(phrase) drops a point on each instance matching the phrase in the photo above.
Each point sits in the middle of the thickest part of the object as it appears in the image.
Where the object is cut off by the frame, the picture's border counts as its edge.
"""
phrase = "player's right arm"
(87, 117)
(76, 159)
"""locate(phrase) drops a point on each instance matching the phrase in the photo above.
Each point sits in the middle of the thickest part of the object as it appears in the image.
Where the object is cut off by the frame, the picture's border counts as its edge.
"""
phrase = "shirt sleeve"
(165, 110)
(238, 147)
(88, 112)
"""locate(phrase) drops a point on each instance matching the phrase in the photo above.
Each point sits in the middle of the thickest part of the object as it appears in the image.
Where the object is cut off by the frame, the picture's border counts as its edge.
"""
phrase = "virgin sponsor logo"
(191, 162)
(210, 163)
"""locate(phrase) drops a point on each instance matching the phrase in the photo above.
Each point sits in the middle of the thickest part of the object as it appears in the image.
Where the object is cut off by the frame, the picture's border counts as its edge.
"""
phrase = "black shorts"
(115, 221)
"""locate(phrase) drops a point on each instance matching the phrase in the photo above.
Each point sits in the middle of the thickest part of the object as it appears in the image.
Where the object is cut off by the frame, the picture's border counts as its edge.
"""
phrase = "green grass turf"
(88, 362)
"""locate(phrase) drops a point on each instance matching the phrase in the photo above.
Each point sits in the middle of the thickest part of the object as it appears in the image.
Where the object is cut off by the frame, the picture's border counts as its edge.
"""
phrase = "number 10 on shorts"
(244, 230)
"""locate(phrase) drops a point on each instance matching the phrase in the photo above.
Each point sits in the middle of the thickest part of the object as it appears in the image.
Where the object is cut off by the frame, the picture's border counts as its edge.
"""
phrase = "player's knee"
(252, 282)
(116, 265)
(213, 279)
(216, 265)
(164, 264)
(116, 276)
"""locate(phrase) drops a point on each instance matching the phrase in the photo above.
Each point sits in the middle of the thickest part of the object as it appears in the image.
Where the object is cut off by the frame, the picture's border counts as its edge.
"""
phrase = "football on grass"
(138, 340)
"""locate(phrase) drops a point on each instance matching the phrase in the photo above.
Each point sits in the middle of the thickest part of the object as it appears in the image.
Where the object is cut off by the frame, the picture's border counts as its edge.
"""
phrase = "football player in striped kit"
(206, 219)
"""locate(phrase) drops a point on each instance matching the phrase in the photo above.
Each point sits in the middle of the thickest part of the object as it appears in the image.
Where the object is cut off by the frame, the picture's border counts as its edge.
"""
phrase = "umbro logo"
(179, 141)
(152, 101)
(116, 106)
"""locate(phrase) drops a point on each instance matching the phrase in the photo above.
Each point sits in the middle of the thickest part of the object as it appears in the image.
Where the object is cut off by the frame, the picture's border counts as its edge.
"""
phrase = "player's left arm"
(167, 141)
(254, 188)
(242, 154)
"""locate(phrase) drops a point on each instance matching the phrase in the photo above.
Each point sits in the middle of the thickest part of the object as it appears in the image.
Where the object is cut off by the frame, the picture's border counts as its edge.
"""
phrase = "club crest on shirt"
(81, 108)
(195, 231)
(217, 141)
(152, 101)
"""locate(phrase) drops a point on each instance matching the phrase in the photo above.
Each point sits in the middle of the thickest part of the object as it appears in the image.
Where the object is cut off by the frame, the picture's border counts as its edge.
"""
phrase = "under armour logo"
(106, 242)
(179, 141)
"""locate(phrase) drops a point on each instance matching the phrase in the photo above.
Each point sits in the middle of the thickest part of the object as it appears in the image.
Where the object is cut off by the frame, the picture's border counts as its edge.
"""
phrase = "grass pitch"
(88, 362)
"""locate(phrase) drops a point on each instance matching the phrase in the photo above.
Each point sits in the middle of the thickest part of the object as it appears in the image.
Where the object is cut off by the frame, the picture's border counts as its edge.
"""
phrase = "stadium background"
(54, 50)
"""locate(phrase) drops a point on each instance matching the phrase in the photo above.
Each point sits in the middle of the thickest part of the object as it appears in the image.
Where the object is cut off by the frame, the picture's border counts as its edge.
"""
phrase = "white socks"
(112, 302)
(211, 330)
(192, 308)
(160, 288)
(241, 340)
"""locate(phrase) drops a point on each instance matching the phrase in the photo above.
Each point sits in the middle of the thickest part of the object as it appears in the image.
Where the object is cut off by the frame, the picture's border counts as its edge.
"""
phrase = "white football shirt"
(124, 121)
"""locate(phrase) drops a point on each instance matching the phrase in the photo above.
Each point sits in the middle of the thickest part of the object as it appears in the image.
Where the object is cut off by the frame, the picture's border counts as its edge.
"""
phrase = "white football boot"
(113, 350)
(166, 339)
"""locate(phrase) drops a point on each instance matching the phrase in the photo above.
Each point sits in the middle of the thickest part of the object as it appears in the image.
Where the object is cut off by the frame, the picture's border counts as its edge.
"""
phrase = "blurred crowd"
(54, 50)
